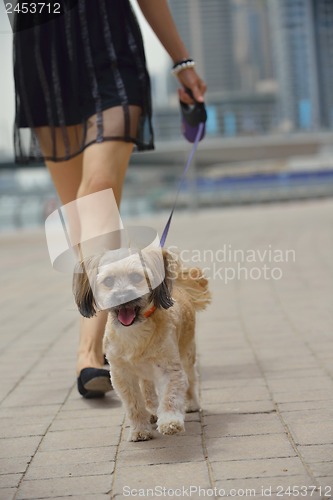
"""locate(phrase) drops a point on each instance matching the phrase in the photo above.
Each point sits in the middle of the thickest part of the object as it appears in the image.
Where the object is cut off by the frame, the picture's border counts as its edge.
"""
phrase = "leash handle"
(198, 137)
(192, 115)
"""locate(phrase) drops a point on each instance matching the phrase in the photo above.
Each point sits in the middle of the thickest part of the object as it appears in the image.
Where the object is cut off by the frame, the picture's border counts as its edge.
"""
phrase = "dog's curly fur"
(152, 359)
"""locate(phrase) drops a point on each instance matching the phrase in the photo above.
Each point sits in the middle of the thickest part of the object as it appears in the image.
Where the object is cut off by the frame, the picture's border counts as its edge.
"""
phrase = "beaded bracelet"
(181, 65)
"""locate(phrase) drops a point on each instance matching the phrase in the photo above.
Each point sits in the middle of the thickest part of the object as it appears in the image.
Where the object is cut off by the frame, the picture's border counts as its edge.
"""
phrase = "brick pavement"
(265, 353)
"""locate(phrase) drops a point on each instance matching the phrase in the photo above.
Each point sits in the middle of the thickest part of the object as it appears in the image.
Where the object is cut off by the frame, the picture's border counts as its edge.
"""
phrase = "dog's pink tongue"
(126, 315)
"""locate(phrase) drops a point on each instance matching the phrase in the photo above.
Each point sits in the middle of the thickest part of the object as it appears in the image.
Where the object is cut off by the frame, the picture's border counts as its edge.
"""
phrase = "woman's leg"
(101, 166)
(104, 167)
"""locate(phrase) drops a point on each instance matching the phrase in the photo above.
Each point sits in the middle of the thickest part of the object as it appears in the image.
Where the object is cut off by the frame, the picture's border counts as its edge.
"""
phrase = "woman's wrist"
(179, 55)
(181, 65)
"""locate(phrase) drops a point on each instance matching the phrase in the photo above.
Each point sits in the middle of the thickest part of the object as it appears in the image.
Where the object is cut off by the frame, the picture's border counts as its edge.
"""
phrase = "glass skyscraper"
(303, 53)
(230, 41)
(323, 21)
(268, 63)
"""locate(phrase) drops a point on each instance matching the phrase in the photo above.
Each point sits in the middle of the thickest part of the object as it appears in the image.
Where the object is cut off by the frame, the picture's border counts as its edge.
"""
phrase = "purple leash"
(198, 137)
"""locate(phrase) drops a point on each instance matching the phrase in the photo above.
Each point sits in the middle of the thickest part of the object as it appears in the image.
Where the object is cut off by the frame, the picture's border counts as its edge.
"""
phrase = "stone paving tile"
(217, 383)
(40, 396)
(19, 447)
(249, 447)
(14, 465)
(110, 401)
(7, 493)
(304, 406)
(25, 420)
(160, 441)
(49, 488)
(69, 470)
(310, 416)
(231, 371)
(167, 455)
(301, 396)
(305, 434)
(322, 469)
(9, 431)
(10, 480)
(182, 475)
(239, 407)
(317, 383)
(107, 422)
(247, 469)
(82, 497)
(242, 425)
(284, 376)
(28, 412)
(317, 453)
(66, 440)
(86, 412)
(282, 362)
(235, 395)
(74, 456)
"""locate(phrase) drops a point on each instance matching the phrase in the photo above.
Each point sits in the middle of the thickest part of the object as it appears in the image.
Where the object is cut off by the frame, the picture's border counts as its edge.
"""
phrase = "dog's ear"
(85, 274)
(161, 295)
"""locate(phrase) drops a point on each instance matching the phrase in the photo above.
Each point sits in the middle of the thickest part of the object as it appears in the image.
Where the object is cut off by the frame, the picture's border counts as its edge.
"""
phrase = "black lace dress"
(80, 78)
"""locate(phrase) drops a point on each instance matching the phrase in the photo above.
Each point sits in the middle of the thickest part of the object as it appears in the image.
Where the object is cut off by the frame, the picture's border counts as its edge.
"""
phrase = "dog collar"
(149, 312)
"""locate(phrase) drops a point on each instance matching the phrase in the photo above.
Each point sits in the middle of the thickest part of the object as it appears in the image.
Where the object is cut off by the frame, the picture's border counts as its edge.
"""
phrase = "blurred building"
(303, 52)
(323, 21)
(268, 64)
(230, 42)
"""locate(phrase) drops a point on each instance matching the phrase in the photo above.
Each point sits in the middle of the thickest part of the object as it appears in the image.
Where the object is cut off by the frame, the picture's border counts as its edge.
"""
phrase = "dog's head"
(124, 284)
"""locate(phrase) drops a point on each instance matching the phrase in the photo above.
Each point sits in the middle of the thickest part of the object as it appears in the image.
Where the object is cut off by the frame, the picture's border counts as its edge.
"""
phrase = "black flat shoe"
(94, 382)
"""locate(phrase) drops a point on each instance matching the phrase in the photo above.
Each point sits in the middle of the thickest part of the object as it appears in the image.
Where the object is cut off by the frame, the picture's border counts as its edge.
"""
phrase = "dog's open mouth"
(127, 315)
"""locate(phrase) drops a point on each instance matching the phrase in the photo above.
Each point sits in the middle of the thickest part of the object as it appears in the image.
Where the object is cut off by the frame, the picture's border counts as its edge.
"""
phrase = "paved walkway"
(266, 370)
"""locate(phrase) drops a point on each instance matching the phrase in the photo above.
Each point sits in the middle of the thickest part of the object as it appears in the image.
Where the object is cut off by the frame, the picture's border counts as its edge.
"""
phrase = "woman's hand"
(190, 79)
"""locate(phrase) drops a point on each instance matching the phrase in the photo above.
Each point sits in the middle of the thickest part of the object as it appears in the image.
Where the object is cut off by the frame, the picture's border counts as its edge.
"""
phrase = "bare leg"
(104, 167)
(101, 166)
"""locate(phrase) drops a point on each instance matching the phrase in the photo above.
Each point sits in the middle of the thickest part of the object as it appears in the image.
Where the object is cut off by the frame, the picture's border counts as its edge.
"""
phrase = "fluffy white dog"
(149, 339)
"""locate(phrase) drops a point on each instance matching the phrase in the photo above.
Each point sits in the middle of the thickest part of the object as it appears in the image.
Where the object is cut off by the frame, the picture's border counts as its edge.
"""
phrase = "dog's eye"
(108, 281)
(135, 278)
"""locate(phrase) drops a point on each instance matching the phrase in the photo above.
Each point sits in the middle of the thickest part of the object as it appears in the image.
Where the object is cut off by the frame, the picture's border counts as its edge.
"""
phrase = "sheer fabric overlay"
(80, 79)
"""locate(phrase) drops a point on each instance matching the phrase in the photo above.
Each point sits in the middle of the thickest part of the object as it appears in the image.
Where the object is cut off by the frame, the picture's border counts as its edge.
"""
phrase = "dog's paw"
(170, 424)
(173, 427)
(140, 435)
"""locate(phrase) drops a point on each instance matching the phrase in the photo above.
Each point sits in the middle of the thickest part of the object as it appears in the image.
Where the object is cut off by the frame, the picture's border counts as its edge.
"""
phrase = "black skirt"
(80, 78)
